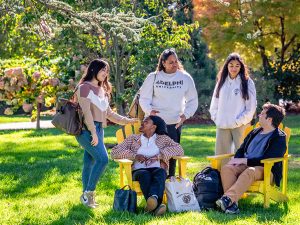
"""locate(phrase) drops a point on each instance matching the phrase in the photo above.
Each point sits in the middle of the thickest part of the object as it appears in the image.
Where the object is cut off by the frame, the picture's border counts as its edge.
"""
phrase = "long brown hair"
(244, 74)
(164, 56)
(93, 69)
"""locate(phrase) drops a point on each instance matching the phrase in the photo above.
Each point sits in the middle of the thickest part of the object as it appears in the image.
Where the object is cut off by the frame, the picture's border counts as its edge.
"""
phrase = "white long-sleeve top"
(174, 94)
(230, 110)
(149, 149)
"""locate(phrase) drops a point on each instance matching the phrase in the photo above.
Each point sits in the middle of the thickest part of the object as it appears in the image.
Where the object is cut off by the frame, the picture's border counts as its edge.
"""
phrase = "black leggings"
(174, 134)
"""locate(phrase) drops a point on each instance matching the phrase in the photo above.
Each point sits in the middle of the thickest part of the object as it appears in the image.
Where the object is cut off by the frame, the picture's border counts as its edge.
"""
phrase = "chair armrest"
(125, 164)
(124, 161)
(274, 160)
(220, 157)
(216, 160)
(181, 157)
(182, 161)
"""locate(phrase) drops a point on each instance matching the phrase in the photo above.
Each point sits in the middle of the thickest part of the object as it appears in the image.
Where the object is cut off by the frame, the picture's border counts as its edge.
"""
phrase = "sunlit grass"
(19, 118)
(40, 182)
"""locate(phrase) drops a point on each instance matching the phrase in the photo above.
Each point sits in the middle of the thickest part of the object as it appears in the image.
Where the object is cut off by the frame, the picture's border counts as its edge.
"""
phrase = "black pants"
(174, 134)
(152, 181)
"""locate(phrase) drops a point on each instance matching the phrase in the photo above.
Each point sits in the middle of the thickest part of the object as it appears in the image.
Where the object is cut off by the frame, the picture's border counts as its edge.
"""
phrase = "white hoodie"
(174, 94)
(230, 110)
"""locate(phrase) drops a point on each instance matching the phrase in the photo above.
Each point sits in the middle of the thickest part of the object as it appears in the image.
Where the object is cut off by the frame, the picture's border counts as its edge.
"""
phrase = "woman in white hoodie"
(233, 104)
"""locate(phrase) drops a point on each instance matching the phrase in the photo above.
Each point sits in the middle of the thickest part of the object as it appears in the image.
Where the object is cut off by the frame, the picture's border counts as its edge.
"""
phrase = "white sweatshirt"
(230, 110)
(174, 94)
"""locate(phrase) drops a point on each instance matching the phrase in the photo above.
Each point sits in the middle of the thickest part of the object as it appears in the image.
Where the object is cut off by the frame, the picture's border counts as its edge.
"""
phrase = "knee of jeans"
(162, 172)
(102, 160)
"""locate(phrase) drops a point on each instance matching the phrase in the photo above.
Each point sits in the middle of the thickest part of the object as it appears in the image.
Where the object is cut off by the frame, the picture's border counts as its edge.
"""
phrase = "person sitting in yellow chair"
(267, 141)
(150, 152)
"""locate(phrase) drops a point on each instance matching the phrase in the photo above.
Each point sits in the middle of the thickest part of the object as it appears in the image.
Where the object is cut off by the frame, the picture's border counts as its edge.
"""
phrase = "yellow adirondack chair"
(125, 164)
(264, 187)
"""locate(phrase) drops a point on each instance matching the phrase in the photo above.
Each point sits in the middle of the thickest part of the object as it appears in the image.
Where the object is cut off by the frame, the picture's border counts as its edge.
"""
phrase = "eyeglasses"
(167, 52)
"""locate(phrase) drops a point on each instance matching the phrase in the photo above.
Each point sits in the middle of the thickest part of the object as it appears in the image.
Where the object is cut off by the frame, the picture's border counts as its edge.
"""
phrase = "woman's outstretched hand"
(133, 120)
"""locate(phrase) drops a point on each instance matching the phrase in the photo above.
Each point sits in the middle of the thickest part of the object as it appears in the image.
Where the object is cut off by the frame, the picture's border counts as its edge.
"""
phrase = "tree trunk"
(38, 115)
(264, 57)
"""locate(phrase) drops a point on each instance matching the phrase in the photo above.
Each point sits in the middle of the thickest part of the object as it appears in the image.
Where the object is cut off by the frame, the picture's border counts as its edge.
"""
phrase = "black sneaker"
(223, 203)
(233, 209)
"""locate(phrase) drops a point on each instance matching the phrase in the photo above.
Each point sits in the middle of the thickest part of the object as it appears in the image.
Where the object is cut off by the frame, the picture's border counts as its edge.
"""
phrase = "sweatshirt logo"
(236, 91)
(169, 84)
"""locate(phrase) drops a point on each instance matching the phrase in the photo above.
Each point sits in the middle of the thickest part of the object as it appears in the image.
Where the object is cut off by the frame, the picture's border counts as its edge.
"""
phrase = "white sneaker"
(84, 199)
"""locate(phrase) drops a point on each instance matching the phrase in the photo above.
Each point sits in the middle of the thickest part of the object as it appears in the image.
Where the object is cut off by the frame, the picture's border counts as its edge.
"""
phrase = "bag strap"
(126, 186)
(154, 84)
(73, 94)
(174, 178)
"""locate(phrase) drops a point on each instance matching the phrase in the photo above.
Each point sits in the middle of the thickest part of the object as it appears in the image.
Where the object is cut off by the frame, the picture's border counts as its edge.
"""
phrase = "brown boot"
(161, 210)
(151, 204)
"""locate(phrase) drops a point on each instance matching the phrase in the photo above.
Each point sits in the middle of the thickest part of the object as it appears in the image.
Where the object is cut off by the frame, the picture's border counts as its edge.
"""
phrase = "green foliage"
(28, 82)
(264, 89)
(264, 32)
(287, 75)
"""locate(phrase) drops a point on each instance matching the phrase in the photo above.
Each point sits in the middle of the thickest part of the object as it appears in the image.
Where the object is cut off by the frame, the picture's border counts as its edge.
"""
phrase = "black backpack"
(207, 187)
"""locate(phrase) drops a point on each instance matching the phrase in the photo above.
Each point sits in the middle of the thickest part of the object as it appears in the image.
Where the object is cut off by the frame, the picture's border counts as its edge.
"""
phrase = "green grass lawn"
(40, 182)
(19, 118)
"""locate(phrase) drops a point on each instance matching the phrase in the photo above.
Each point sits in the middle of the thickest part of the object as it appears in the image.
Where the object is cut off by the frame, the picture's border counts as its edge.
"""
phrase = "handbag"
(180, 195)
(125, 200)
(69, 116)
(135, 109)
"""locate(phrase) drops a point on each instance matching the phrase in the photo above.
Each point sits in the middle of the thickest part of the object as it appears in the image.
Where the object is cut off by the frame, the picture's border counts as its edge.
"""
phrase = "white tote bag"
(180, 195)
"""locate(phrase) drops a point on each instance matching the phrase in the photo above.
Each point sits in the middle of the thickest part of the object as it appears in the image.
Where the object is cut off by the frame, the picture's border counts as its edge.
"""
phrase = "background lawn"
(40, 182)
(20, 118)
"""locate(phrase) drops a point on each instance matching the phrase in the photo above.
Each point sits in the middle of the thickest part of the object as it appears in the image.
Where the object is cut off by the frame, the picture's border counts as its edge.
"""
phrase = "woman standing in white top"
(169, 93)
(233, 104)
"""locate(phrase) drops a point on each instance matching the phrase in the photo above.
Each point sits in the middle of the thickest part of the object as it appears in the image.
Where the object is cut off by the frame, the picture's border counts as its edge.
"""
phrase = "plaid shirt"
(129, 147)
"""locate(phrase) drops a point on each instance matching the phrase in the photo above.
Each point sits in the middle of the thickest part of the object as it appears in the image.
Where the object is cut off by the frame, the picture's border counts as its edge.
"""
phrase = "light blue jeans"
(95, 158)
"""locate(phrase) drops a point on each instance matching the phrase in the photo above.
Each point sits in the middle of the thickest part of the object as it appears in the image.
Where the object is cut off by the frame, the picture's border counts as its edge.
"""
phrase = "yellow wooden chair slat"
(264, 187)
(126, 164)
(128, 130)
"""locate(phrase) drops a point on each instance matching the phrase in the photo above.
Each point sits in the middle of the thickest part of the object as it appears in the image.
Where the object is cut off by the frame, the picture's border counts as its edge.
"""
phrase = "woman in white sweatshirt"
(169, 93)
(233, 104)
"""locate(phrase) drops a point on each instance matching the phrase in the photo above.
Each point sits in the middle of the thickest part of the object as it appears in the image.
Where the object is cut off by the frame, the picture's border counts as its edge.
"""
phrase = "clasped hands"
(147, 160)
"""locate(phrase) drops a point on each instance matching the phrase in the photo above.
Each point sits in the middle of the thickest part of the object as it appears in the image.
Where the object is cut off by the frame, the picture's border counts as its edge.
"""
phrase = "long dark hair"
(244, 74)
(164, 56)
(93, 69)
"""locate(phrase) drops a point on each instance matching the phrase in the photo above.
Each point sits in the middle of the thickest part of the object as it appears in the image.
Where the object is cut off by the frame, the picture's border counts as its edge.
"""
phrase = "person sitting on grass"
(267, 141)
(150, 152)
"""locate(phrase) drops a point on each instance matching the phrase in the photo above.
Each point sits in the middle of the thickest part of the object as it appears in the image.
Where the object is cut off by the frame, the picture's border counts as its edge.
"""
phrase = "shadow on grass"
(276, 212)
(45, 171)
(115, 217)
(78, 214)
(34, 132)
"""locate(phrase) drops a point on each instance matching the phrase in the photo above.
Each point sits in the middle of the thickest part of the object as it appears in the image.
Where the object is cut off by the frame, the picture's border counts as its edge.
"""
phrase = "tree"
(265, 32)
(117, 36)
